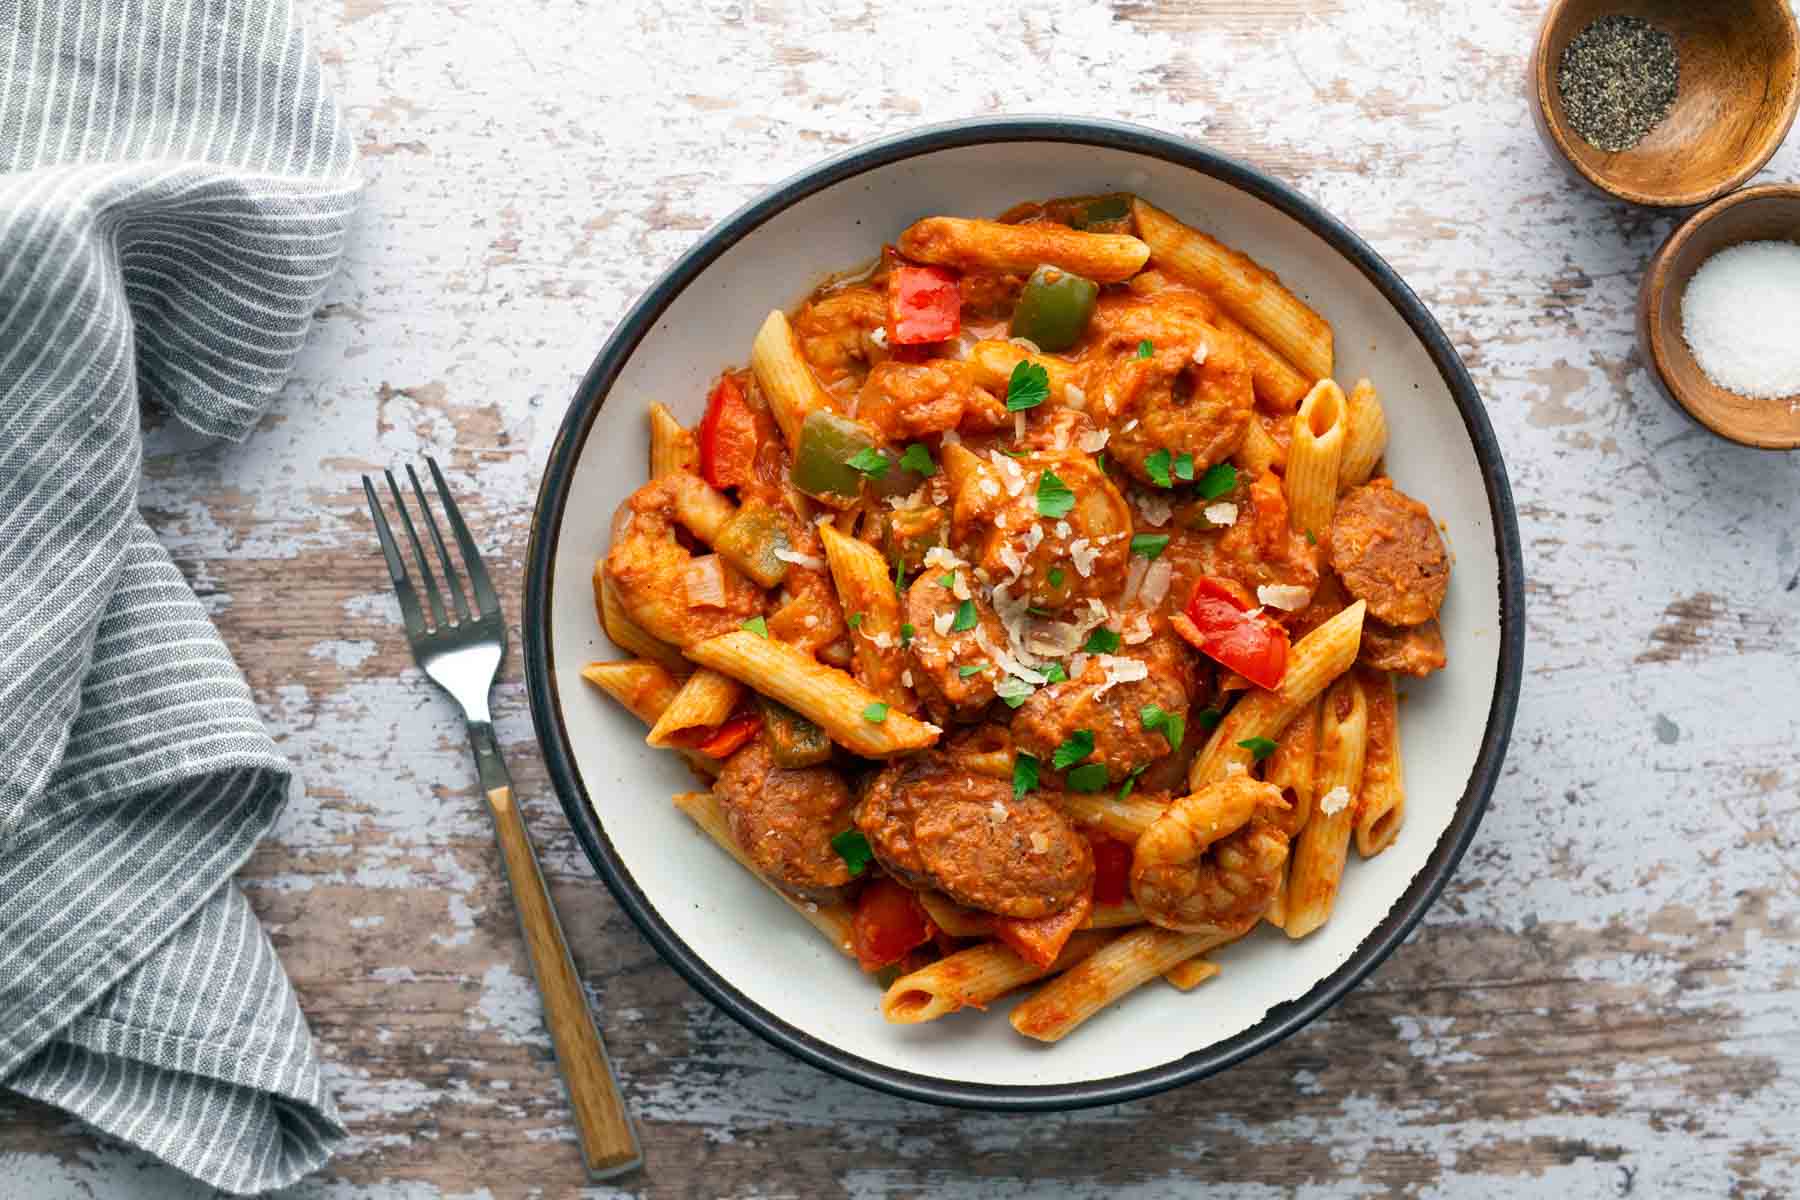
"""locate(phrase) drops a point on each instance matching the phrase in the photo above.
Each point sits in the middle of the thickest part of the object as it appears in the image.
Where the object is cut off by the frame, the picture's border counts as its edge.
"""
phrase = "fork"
(463, 657)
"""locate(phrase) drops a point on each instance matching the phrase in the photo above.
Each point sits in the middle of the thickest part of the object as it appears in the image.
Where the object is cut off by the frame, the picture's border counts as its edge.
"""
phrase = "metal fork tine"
(451, 581)
(485, 597)
(403, 588)
(430, 587)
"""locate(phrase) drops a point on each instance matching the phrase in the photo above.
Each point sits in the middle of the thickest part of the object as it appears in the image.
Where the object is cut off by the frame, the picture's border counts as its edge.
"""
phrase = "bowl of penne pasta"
(1026, 613)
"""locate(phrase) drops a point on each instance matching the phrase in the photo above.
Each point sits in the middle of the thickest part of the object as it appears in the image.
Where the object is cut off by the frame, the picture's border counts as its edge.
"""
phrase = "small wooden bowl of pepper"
(1667, 103)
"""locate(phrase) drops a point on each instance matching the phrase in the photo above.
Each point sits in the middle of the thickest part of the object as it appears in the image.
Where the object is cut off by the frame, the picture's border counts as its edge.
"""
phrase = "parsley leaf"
(1054, 499)
(1259, 747)
(758, 626)
(1171, 725)
(854, 849)
(869, 461)
(1078, 746)
(1310, 539)
(1054, 673)
(1184, 468)
(900, 575)
(1014, 691)
(918, 458)
(906, 634)
(1208, 718)
(876, 713)
(1101, 641)
(855, 620)
(1025, 774)
(1027, 387)
(1157, 465)
(1089, 777)
(947, 579)
(1131, 781)
(1145, 348)
(971, 669)
(965, 617)
(1055, 577)
(1218, 480)
(1149, 544)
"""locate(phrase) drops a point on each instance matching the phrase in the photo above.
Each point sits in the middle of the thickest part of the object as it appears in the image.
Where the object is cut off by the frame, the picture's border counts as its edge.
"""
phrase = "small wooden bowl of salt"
(1719, 317)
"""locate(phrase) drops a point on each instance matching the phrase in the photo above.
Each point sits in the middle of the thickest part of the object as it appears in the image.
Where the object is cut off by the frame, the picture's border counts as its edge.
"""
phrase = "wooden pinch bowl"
(1769, 213)
(1739, 90)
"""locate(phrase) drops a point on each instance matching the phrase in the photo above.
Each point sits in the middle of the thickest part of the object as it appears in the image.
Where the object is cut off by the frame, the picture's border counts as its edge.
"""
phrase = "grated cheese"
(906, 677)
(1223, 513)
(1335, 801)
(1039, 843)
(812, 621)
(1129, 425)
(1134, 579)
(1137, 629)
(1155, 510)
(942, 556)
(1094, 441)
(951, 438)
(1010, 474)
(1025, 344)
(881, 641)
(959, 587)
(997, 811)
(1234, 767)
(808, 561)
(1083, 555)
(1200, 352)
(1120, 670)
(1074, 397)
(1288, 597)
(1078, 664)
(1156, 583)
(942, 623)
(1062, 529)
(878, 335)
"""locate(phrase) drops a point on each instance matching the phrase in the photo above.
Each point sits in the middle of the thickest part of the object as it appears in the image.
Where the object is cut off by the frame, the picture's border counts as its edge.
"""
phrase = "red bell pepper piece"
(724, 740)
(1039, 940)
(889, 922)
(727, 436)
(1220, 626)
(924, 305)
(1112, 868)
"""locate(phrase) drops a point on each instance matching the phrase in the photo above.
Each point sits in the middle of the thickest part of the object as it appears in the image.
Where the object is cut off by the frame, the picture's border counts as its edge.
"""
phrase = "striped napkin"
(175, 189)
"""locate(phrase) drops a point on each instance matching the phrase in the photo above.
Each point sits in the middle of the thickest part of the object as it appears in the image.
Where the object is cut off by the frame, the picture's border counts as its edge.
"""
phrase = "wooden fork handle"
(608, 1141)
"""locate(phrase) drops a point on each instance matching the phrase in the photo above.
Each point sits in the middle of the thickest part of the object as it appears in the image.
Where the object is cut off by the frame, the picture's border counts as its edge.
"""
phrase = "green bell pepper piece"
(822, 467)
(1054, 308)
(794, 741)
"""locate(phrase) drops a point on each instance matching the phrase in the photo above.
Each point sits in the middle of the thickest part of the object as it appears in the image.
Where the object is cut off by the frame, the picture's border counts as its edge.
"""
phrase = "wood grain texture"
(1602, 1004)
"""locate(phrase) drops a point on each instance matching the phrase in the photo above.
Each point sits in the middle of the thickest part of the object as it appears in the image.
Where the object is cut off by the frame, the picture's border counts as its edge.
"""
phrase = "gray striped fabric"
(175, 190)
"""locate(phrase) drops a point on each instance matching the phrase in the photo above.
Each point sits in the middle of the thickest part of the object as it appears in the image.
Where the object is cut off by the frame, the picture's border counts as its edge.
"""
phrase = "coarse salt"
(1335, 801)
(1739, 315)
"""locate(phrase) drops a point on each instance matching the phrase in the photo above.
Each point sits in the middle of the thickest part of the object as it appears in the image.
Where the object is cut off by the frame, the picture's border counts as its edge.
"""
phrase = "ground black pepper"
(1618, 78)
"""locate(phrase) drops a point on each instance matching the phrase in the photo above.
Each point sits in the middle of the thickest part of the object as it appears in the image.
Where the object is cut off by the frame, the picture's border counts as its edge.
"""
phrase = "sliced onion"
(704, 580)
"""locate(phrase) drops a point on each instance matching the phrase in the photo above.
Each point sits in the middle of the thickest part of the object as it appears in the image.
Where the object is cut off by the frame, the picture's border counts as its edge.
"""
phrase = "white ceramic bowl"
(738, 943)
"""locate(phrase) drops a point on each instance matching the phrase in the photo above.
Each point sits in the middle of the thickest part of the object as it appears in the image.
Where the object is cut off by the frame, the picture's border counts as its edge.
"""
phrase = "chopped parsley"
(971, 669)
(1131, 781)
(1025, 774)
(1100, 461)
(1039, 612)
(1054, 499)
(1089, 777)
(1172, 727)
(965, 617)
(855, 620)
(1076, 747)
(1027, 387)
(758, 626)
(1218, 480)
(1014, 691)
(1055, 577)
(899, 574)
(1145, 348)
(947, 579)
(1207, 718)
(918, 458)
(1101, 641)
(906, 634)
(1054, 673)
(869, 461)
(876, 713)
(853, 848)
(1184, 468)
(1310, 539)
(1150, 545)
(1157, 466)
(1259, 747)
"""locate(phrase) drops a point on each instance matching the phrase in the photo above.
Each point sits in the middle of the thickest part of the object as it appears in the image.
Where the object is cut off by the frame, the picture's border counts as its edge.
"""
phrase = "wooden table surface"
(1601, 1004)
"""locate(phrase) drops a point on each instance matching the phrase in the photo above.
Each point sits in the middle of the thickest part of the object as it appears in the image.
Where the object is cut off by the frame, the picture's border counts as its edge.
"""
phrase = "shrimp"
(837, 336)
(1213, 861)
(675, 596)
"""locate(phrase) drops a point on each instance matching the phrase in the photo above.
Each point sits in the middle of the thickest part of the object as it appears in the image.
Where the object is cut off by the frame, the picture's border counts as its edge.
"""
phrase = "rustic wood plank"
(1601, 1005)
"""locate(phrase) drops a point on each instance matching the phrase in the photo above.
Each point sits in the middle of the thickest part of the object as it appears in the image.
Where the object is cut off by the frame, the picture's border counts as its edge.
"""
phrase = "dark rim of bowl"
(553, 495)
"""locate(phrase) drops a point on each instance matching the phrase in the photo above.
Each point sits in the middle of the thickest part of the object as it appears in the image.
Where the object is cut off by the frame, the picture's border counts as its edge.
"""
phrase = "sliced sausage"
(1403, 649)
(785, 820)
(940, 651)
(1388, 552)
(1112, 713)
(892, 803)
(1018, 857)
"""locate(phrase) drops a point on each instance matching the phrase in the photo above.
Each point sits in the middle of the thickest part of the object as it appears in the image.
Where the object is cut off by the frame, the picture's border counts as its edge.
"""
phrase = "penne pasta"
(1381, 806)
(1247, 291)
(953, 918)
(701, 508)
(833, 919)
(971, 245)
(627, 634)
(825, 695)
(1191, 974)
(866, 591)
(1124, 819)
(1317, 864)
(1110, 973)
(1365, 436)
(705, 700)
(1314, 457)
(973, 978)
(1291, 768)
(785, 379)
(1260, 453)
(672, 448)
(1116, 916)
(993, 364)
(645, 690)
(1313, 662)
(1278, 385)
